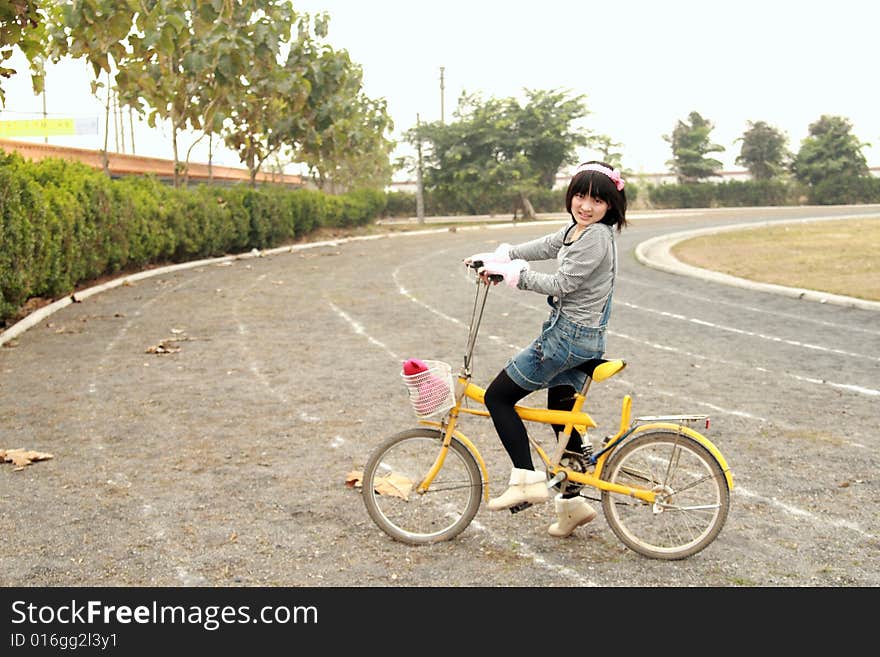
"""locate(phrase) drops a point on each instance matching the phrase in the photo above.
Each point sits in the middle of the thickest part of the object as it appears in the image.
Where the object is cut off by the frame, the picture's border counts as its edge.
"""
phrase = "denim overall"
(562, 345)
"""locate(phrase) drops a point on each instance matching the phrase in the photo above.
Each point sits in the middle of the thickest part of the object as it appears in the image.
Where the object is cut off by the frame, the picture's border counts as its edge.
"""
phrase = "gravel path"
(202, 422)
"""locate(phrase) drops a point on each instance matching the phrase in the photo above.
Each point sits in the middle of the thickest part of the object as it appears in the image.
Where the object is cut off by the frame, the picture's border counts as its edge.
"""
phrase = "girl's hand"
(500, 255)
(509, 270)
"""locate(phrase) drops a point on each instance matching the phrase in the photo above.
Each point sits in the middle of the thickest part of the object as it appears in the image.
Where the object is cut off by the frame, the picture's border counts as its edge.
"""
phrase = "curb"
(656, 253)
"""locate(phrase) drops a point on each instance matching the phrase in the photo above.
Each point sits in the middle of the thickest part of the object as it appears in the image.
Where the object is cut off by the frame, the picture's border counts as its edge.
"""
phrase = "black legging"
(501, 397)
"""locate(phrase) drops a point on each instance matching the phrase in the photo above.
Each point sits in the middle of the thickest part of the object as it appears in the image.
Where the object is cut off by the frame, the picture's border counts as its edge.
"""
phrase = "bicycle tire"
(681, 523)
(439, 514)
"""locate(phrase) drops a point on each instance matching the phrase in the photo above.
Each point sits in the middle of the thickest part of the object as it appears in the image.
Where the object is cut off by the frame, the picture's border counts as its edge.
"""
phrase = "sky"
(642, 66)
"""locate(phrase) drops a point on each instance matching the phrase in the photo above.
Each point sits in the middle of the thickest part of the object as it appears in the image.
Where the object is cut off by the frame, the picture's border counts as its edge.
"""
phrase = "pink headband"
(614, 174)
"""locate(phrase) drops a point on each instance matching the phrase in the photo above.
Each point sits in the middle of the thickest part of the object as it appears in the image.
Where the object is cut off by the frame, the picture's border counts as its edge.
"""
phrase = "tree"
(95, 30)
(354, 151)
(340, 133)
(494, 148)
(261, 116)
(608, 151)
(177, 60)
(830, 161)
(764, 151)
(23, 25)
(189, 59)
(545, 134)
(690, 147)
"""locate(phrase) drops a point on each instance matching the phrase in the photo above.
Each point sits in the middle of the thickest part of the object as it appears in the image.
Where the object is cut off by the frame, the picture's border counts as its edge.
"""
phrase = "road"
(202, 422)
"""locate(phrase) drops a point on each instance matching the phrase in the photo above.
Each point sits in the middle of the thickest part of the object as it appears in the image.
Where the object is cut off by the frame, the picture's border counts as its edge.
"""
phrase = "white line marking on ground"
(718, 409)
(402, 290)
(253, 365)
(359, 329)
(754, 334)
(798, 318)
(801, 513)
(569, 574)
(842, 386)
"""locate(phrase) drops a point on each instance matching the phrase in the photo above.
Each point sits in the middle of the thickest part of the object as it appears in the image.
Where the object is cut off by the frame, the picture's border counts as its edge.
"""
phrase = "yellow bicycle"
(665, 488)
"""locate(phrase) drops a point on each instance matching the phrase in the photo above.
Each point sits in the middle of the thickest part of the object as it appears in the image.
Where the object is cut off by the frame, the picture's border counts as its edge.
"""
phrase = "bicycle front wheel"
(692, 495)
(391, 481)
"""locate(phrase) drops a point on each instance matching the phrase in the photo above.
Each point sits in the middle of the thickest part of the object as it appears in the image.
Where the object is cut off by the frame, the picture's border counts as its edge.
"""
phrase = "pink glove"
(509, 270)
(501, 254)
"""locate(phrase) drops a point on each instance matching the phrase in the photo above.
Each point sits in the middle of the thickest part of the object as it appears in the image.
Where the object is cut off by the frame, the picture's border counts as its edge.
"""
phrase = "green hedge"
(440, 204)
(752, 193)
(730, 193)
(63, 224)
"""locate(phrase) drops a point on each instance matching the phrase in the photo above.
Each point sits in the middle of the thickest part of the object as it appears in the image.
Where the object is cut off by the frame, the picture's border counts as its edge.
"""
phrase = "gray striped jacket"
(584, 272)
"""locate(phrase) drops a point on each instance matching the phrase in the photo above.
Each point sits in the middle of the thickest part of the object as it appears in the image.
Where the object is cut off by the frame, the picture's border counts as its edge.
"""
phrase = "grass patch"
(836, 256)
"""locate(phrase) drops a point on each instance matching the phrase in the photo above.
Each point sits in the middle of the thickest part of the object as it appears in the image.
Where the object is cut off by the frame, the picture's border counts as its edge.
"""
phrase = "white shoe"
(571, 513)
(525, 486)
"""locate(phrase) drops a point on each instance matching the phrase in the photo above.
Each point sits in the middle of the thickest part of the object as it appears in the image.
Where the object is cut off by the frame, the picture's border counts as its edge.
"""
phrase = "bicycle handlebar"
(476, 265)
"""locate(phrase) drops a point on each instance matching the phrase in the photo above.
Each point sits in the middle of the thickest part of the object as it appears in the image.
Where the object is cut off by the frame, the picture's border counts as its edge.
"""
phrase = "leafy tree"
(313, 109)
(182, 61)
(95, 30)
(690, 147)
(190, 58)
(830, 161)
(339, 132)
(261, 116)
(23, 24)
(608, 151)
(494, 148)
(545, 134)
(354, 151)
(764, 151)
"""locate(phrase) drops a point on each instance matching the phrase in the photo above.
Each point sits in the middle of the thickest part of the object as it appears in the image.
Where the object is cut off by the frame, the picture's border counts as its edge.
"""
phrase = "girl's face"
(587, 210)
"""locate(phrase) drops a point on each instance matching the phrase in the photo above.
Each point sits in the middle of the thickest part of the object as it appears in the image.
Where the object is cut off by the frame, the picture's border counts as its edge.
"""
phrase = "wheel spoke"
(439, 513)
(691, 495)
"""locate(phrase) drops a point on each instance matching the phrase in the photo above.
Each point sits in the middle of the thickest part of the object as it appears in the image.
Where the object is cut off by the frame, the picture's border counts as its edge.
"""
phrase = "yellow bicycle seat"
(600, 369)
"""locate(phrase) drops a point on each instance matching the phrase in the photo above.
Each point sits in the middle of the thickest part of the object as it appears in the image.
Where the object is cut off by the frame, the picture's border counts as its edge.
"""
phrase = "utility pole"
(442, 102)
(121, 124)
(420, 198)
(45, 116)
(42, 65)
(115, 110)
(104, 157)
(131, 126)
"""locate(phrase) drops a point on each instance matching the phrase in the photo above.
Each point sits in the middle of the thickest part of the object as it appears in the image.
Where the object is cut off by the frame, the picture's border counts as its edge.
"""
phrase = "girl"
(579, 293)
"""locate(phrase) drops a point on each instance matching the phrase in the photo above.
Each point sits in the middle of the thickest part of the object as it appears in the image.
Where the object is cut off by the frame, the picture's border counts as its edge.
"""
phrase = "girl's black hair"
(599, 186)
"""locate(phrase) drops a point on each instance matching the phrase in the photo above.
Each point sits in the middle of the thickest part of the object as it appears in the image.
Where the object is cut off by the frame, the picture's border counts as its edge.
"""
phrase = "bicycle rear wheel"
(393, 474)
(692, 503)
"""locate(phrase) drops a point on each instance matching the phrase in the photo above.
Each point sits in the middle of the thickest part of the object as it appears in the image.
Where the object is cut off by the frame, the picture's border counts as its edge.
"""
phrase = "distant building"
(120, 164)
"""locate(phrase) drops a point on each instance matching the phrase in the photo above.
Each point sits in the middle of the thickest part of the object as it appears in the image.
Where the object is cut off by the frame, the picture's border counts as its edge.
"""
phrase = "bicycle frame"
(574, 418)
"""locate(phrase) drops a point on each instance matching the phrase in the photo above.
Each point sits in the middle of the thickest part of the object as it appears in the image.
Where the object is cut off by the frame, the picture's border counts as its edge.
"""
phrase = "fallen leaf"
(390, 484)
(394, 484)
(353, 479)
(22, 457)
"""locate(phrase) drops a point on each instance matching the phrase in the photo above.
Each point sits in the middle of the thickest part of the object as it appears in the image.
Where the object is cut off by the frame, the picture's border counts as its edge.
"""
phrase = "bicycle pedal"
(522, 506)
